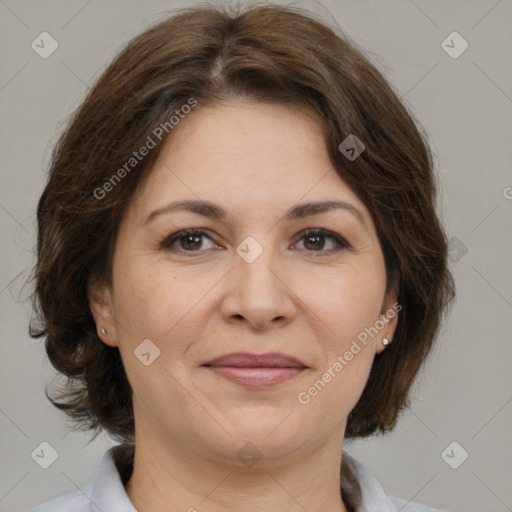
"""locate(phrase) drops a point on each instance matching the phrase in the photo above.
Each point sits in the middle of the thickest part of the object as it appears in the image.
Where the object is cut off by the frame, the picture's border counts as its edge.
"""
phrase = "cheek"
(165, 305)
(346, 300)
(149, 300)
(153, 303)
(347, 313)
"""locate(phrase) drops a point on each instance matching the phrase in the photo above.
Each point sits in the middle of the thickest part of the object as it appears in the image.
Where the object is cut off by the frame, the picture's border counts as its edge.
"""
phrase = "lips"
(247, 360)
(256, 371)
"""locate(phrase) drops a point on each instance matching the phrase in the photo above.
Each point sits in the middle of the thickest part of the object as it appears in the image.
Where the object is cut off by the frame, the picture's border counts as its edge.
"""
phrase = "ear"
(100, 303)
(388, 318)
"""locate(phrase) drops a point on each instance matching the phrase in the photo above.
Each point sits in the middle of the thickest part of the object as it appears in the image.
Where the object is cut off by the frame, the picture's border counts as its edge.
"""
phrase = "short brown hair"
(267, 53)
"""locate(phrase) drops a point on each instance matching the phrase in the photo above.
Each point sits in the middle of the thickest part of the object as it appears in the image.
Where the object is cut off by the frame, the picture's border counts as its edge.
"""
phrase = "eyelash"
(341, 243)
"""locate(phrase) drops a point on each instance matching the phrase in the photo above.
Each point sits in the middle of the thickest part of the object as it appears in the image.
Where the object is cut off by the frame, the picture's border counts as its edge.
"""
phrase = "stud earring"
(104, 332)
(385, 341)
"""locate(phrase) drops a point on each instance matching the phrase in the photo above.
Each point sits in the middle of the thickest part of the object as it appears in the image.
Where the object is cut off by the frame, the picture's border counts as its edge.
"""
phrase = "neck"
(168, 476)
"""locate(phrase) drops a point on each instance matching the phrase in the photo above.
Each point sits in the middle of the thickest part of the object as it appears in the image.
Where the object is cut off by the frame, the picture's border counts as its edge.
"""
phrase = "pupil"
(315, 237)
(192, 237)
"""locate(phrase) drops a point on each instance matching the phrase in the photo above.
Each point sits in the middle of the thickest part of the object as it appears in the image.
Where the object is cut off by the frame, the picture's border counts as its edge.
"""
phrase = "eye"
(191, 240)
(315, 240)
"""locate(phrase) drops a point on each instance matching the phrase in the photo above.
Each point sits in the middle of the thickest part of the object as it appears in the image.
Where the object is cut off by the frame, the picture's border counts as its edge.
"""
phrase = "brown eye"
(189, 240)
(315, 241)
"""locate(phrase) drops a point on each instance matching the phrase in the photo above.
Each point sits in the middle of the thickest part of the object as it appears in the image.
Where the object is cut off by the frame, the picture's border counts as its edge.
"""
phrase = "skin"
(305, 300)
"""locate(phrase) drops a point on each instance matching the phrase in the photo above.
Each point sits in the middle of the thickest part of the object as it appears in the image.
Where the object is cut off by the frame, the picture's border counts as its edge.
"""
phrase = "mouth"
(256, 371)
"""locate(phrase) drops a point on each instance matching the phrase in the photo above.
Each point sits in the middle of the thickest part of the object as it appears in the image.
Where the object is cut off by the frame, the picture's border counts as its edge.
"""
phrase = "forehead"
(249, 157)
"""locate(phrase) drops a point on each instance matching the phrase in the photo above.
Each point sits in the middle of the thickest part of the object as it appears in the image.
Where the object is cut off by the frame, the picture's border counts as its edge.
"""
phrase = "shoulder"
(76, 501)
(368, 494)
(106, 491)
(410, 506)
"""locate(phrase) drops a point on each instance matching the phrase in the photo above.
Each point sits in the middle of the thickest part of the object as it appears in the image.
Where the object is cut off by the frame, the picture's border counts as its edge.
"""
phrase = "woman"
(239, 266)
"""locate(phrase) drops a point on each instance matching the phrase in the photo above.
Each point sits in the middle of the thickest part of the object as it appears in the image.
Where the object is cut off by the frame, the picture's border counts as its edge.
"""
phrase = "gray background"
(465, 103)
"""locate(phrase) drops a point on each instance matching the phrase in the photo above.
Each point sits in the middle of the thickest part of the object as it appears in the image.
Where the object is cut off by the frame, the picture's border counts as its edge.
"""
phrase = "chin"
(271, 433)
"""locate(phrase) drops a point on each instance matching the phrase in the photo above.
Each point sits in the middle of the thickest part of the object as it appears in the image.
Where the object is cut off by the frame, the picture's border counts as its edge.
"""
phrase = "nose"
(258, 293)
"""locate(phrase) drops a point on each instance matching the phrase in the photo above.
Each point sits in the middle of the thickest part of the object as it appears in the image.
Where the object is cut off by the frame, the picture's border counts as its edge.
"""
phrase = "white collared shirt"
(106, 493)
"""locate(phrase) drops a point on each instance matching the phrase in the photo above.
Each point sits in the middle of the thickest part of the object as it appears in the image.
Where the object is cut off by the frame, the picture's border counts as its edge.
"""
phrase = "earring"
(385, 341)
(104, 332)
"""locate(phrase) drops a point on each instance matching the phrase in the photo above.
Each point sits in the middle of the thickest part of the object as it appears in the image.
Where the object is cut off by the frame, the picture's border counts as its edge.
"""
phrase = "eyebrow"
(212, 210)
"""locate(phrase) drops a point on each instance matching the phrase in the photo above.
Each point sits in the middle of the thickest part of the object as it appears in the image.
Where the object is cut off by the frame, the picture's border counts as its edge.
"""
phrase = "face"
(262, 274)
